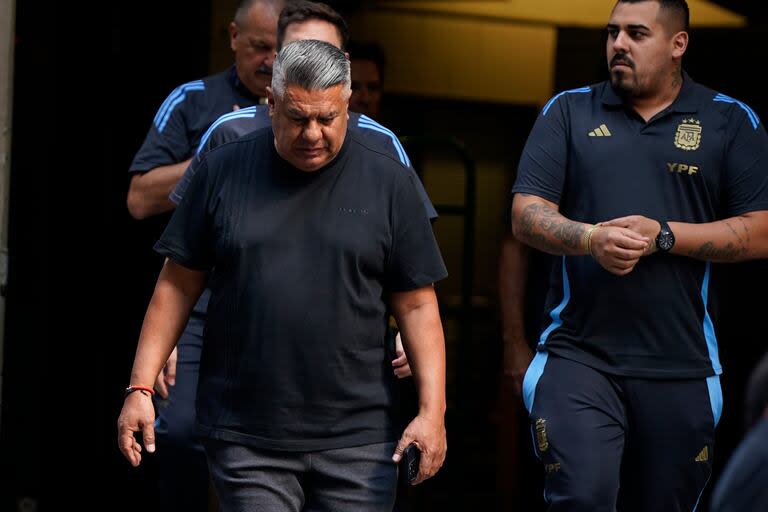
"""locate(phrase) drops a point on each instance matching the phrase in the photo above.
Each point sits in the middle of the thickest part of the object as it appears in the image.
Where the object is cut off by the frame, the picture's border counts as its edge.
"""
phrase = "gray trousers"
(359, 479)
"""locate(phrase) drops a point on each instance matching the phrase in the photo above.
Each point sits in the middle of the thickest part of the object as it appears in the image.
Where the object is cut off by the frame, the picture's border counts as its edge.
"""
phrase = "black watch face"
(666, 240)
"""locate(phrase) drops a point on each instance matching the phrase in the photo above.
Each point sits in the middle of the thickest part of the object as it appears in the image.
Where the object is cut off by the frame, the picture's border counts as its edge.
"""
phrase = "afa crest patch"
(688, 135)
(541, 435)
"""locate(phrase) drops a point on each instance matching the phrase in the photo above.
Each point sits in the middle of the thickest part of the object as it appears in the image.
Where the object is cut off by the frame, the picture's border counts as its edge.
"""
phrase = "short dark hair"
(299, 11)
(677, 9)
(368, 50)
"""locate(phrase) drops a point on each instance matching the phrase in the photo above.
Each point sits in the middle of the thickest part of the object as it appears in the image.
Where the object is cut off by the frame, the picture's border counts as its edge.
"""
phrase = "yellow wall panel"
(572, 13)
(462, 58)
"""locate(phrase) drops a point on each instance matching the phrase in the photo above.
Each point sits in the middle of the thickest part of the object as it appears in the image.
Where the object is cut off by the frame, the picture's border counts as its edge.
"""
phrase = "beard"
(622, 83)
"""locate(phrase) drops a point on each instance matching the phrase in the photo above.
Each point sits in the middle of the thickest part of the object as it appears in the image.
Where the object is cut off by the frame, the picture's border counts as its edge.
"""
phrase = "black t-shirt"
(300, 265)
(702, 159)
(233, 125)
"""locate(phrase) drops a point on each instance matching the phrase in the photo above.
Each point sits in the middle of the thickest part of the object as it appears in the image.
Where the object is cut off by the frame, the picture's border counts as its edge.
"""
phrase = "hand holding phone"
(412, 456)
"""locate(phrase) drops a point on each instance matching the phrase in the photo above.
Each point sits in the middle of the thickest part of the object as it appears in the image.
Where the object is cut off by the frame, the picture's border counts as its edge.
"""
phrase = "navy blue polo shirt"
(185, 115)
(182, 120)
(234, 125)
(702, 159)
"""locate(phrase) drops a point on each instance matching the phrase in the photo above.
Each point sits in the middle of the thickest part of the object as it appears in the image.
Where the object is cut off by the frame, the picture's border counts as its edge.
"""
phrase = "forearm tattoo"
(736, 250)
(546, 229)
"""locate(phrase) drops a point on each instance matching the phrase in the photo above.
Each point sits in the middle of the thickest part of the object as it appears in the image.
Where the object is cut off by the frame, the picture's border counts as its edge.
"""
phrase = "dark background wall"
(88, 79)
(87, 84)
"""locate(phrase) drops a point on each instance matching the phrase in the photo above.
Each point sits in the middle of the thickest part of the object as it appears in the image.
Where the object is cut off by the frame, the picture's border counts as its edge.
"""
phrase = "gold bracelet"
(585, 238)
(588, 239)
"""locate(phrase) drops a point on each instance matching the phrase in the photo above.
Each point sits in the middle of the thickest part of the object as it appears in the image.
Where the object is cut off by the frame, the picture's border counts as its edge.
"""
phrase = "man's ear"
(232, 35)
(679, 44)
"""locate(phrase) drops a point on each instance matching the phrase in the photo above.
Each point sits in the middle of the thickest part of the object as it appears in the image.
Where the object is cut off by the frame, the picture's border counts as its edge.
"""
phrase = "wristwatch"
(665, 240)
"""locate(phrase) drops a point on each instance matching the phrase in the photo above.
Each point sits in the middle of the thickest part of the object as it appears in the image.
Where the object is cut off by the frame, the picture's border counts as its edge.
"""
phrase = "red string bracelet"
(131, 389)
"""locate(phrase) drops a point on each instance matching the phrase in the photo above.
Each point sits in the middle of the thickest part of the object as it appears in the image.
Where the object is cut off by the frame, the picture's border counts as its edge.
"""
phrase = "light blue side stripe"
(367, 122)
(554, 99)
(713, 382)
(171, 97)
(238, 114)
(174, 94)
(536, 368)
(555, 313)
(750, 113)
(531, 379)
(400, 153)
(709, 329)
(176, 102)
(715, 397)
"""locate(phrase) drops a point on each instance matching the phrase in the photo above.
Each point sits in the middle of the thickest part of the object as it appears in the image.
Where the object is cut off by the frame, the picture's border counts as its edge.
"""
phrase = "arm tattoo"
(548, 230)
(730, 228)
(709, 252)
(747, 238)
(736, 250)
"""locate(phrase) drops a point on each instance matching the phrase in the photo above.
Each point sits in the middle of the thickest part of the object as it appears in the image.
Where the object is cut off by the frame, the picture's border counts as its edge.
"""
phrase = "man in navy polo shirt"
(309, 235)
(639, 183)
(176, 131)
(191, 108)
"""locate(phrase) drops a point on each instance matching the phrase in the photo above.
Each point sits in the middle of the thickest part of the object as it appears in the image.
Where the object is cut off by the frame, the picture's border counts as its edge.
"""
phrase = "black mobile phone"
(412, 456)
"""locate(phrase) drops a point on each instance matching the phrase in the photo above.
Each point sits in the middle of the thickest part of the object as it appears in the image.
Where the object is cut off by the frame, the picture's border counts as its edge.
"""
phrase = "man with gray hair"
(308, 237)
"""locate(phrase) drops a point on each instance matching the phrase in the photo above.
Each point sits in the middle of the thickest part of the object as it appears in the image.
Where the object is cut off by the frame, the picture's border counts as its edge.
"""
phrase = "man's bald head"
(244, 6)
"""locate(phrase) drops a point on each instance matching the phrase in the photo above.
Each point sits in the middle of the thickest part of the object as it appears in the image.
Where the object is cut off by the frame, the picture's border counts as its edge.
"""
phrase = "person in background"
(368, 64)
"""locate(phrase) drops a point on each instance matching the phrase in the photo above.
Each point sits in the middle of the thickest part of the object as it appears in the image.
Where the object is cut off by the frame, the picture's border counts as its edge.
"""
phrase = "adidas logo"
(703, 455)
(601, 131)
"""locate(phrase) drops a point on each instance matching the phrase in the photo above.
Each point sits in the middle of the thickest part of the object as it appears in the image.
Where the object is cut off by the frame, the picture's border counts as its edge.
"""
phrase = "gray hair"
(312, 65)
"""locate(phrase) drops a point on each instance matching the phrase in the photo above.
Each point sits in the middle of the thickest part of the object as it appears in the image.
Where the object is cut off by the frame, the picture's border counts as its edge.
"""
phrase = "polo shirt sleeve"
(541, 171)
(188, 238)
(168, 141)
(746, 171)
(414, 259)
